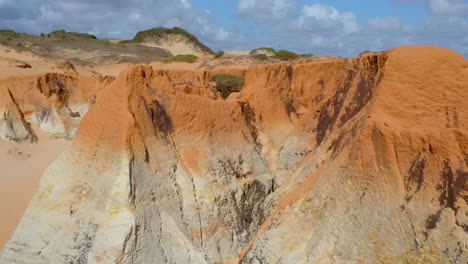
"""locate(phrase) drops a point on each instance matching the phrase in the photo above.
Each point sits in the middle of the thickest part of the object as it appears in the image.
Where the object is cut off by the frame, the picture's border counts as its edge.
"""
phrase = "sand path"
(22, 166)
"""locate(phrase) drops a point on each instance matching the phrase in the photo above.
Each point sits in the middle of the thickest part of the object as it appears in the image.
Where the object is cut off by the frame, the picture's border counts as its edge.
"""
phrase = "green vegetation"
(285, 55)
(127, 41)
(73, 35)
(219, 54)
(264, 49)
(227, 83)
(8, 33)
(182, 58)
(161, 31)
(262, 54)
(260, 57)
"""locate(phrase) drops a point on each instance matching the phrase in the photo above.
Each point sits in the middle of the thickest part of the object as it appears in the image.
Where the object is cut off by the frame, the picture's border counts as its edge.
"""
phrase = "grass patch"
(285, 55)
(262, 49)
(70, 35)
(262, 57)
(227, 83)
(162, 31)
(9, 33)
(128, 41)
(182, 58)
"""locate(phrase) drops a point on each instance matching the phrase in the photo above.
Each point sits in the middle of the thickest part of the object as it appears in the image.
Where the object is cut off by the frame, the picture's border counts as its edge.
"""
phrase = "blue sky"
(328, 27)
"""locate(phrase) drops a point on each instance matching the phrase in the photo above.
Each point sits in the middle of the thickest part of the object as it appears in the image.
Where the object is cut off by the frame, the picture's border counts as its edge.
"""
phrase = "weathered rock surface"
(55, 102)
(362, 160)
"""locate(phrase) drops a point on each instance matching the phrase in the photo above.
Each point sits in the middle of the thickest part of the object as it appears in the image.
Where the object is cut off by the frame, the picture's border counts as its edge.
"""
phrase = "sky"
(329, 27)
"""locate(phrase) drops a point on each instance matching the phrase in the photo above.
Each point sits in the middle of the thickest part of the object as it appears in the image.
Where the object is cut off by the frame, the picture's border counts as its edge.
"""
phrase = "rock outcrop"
(361, 160)
(55, 102)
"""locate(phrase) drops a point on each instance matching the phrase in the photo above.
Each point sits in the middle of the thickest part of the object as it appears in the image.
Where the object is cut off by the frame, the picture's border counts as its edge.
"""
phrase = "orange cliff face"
(359, 160)
(44, 110)
(55, 102)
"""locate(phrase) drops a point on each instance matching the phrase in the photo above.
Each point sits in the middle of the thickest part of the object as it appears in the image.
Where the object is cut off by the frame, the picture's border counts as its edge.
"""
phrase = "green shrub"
(162, 31)
(182, 58)
(8, 33)
(58, 32)
(265, 49)
(127, 41)
(74, 35)
(285, 55)
(219, 54)
(260, 57)
(227, 83)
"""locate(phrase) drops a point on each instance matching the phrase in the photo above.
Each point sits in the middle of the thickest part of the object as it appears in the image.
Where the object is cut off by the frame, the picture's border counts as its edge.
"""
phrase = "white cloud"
(449, 7)
(321, 12)
(223, 35)
(311, 28)
(264, 10)
(317, 17)
(389, 24)
(324, 29)
(185, 3)
(107, 18)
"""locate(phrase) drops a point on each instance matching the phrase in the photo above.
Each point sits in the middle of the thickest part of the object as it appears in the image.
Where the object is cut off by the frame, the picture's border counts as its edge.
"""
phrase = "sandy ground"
(238, 52)
(176, 48)
(10, 59)
(177, 45)
(22, 168)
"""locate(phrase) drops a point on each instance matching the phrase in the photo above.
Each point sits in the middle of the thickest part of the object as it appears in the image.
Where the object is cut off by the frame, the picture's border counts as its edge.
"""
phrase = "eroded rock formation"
(55, 102)
(360, 160)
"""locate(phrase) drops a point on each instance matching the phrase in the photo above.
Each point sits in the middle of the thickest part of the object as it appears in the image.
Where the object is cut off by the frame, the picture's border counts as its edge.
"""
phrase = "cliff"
(361, 160)
(55, 102)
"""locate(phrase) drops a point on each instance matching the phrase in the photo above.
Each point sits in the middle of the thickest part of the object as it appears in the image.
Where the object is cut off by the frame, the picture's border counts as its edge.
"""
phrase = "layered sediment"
(361, 160)
(55, 102)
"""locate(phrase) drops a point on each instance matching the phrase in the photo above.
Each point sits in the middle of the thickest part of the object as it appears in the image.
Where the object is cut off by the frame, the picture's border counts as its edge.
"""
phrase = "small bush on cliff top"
(285, 55)
(183, 58)
(227, 83)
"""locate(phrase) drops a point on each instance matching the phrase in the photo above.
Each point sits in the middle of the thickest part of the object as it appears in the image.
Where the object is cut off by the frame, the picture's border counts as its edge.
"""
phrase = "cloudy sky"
(328, 27)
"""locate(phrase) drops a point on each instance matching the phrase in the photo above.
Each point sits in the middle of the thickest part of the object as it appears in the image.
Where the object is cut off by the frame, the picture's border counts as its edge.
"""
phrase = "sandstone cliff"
(55, 102)
(361, 160)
